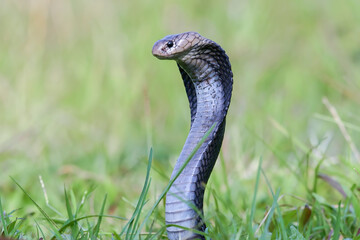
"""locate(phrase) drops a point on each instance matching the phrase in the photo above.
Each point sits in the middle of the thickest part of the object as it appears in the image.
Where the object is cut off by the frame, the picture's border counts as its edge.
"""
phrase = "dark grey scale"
(190, 92)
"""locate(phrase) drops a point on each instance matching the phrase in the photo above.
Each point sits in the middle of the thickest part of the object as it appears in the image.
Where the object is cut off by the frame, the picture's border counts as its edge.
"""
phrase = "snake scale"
(206, 72)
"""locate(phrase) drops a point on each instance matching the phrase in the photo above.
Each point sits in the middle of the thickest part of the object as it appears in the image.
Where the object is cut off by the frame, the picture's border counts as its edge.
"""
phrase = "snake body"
(208, 79)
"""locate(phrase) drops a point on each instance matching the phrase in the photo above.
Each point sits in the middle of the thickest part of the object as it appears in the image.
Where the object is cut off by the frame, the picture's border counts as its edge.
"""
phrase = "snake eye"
(170, 44)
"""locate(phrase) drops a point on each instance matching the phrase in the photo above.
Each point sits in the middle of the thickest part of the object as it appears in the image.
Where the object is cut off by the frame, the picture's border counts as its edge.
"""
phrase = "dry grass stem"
(341, 126)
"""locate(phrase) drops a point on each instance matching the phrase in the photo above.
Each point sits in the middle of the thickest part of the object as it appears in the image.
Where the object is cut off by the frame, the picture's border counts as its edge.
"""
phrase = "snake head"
(173, 47)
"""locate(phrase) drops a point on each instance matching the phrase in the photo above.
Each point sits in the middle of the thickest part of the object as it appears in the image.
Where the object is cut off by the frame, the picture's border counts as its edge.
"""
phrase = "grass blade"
(53, 225)
(295, 234)
(337, 223)
(129, 226)
(162, 195)
(275, 201)
(252, 212)
(74, 229)
(97, 227)
(3, 219)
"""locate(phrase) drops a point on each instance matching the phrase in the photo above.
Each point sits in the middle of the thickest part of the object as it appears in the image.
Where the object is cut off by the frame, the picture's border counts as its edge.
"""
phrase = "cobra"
(206, 72)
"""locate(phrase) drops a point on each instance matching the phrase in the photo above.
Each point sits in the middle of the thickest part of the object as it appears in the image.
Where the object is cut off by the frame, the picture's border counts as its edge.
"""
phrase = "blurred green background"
(82, 99)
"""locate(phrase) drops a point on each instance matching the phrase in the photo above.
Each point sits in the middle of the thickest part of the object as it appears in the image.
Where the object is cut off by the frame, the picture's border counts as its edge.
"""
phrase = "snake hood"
(206, 72)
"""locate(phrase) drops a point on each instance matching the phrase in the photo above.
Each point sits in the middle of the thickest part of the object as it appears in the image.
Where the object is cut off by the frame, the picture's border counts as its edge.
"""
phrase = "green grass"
(82, 102)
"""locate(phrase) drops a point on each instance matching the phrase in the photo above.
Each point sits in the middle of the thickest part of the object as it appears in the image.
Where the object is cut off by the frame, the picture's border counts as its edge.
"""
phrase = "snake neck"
(210, 109)
(208, 81)
(209, 95)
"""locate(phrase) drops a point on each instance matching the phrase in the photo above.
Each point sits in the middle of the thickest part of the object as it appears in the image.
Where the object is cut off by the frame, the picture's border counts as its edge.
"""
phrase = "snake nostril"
(170, 44)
